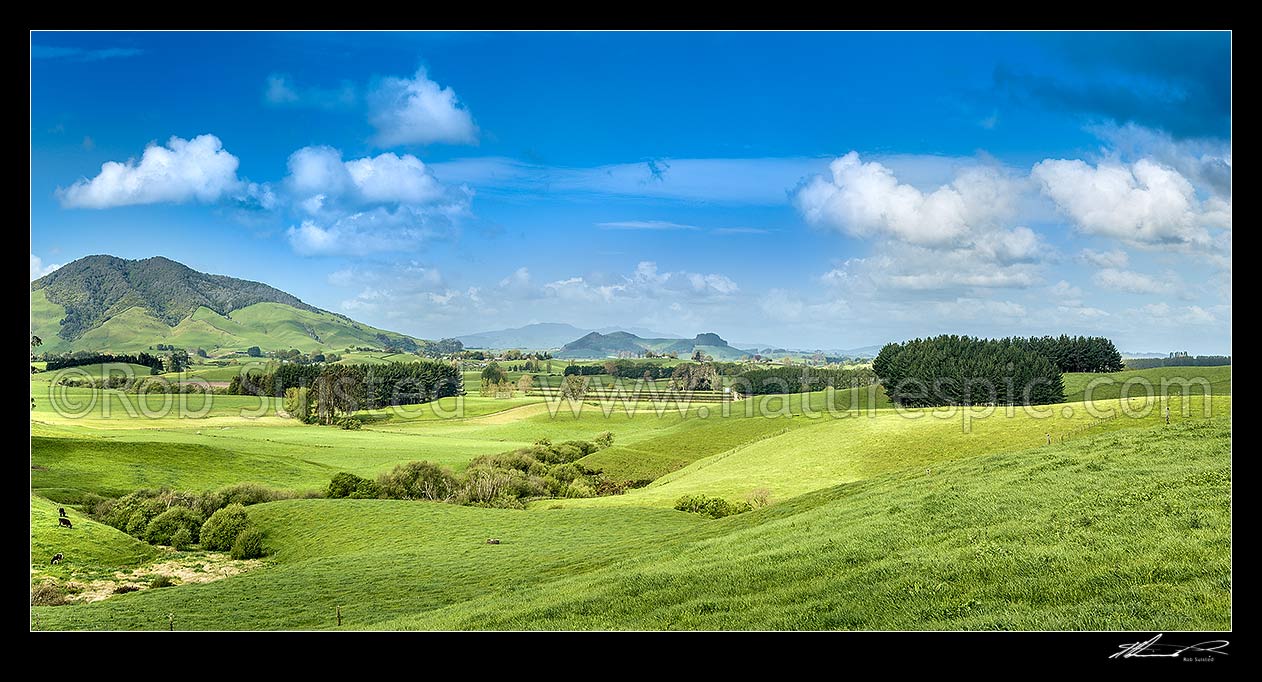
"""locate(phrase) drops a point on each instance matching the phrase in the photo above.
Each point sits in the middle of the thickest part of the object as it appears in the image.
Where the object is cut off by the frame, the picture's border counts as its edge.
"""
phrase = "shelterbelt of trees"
(175, 361)
(345, 389)
(964, 370)
(1179, 360)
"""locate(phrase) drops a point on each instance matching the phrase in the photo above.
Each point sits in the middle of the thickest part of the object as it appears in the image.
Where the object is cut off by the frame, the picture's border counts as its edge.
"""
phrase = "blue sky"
(812, 190)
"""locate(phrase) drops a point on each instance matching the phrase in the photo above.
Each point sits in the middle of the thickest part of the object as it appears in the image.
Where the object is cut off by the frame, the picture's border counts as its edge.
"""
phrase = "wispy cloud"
(756, 181)
(645, 225)
(80, 54)
(740, 230)
(280, 90)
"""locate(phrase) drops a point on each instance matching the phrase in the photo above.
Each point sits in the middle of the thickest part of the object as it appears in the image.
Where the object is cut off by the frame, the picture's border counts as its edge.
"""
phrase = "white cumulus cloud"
(199, 169)
(418, 111)
(867, 200)
(317, 174)
(1142, 203)
(39, 268)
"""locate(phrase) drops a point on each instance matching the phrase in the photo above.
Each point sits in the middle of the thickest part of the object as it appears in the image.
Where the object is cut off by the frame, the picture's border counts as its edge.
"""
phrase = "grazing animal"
(65, 522)
(56, 559)
(61, 511)
(493, 541)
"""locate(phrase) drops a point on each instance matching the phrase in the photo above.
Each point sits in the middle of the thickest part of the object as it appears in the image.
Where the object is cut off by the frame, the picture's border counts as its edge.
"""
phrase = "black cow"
(61, 511)
(56, 559)
(65, 522)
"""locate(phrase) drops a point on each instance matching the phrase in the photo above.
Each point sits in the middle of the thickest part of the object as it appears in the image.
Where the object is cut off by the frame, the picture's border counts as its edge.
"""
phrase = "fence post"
(339, 616)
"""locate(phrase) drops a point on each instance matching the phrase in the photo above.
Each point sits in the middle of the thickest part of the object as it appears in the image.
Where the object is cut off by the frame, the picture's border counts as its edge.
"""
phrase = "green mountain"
(108, 303)
(597, 345)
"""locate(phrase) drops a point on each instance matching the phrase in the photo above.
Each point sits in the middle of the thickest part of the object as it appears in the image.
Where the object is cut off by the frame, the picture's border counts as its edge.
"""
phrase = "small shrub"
(249, 544)
(349, 424)
(713, 507)
(604, 440)
(579, 488)
(161, 580)
(163, 526)
(47, 594)
(182, 539)
(758, 498)
(222, 528)
(124, 589)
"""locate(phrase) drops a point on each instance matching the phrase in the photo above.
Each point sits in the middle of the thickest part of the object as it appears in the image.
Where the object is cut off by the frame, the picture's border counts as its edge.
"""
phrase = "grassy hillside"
(88, 549)
(1202, 380)
(107, 303)
(1127, 530)
(266, 325)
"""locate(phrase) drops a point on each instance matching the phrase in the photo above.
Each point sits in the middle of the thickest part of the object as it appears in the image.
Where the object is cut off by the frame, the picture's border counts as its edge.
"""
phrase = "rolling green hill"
(101, 303)
(597, 345)
(1127, 531)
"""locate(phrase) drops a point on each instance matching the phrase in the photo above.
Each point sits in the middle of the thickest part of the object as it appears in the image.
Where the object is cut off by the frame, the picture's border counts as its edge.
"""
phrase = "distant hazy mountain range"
(597, 345)
(544, 336)
(104, 303)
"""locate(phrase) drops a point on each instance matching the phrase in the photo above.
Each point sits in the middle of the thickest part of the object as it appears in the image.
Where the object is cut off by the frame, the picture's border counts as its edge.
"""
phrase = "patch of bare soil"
(201, 567)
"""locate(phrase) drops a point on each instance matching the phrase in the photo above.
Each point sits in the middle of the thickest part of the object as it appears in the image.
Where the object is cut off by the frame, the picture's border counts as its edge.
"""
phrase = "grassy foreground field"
(1128, 530)
(881, 519)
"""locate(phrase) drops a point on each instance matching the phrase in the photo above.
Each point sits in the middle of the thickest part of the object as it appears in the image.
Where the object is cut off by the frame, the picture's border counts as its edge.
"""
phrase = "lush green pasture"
(881, 518)
(827, 451)
(89, 548)
(1123, 530)
(71, 466)
(1141, 382)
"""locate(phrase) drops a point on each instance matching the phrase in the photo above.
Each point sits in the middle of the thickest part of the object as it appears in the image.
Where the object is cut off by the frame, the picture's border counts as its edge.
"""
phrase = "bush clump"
(164, 526)
(249, 544)
(182, 539)
(504, 480)
(418, 481)
(222, 528)
(349, 424)
(161, 580)
(346, 484)
(713, 507)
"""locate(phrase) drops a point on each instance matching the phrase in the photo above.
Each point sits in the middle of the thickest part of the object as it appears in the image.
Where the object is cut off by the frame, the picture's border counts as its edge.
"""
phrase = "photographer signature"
(1154, 649)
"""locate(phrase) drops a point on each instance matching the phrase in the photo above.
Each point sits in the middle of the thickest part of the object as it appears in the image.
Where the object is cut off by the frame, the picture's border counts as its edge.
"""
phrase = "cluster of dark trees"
(400, 344)
(1179, 360)
(692, 376)
(630, 369)
(1075, 353)
(434, 349)
(81, 358)
(764, 381)
(345, 389)
(964, 370)
(296, 356)
(583, 370)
